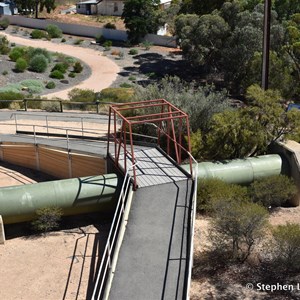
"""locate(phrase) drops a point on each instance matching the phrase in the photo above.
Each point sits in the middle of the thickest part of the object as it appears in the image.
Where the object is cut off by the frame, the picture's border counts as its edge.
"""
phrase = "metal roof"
(89, 2)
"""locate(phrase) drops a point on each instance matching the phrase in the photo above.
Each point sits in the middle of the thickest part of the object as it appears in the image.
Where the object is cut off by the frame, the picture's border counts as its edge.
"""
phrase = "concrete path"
(153, 256)
(104, 70)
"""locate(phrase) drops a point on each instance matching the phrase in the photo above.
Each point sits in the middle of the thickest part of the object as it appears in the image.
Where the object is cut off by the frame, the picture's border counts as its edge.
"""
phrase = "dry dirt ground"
(59, 265)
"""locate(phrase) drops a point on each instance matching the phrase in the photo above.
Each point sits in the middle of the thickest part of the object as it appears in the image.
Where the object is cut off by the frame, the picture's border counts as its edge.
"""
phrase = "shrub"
(107, 45)
(62, 67)
(57, 74)
(110, 26)
(50, 106)
(16, 53)
(236, 227)
(116, 95)
(5, 72)
(77, 67)
(31, 52)
(38, 34)
(72, 75)
(13, 44)
(4, 45)
(8, 95)
(285, 247)
(132, 78)
(15, 105)
(78, 41)
(33, 86)
(212, 191)
(99, 39)
(63, 40)
(273, 190)
(50, 85)
(21, 65)
(146, 44)
(125, 85)
(38, 63)
(82, 95)
(115, 52)
(53, 31)
(48, 218)
(133, 51)
(4, 23)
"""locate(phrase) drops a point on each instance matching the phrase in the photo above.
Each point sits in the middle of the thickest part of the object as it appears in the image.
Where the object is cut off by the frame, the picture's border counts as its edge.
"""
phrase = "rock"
(65, 81)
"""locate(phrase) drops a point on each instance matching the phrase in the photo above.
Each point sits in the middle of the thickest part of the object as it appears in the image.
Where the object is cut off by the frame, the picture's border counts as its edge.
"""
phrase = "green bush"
(110, 26)
(53, 31)
(285, 247)
(5, 72)
(31, 52)
(8, 95)
(77, 67)
(72, 75)
(99, 39)
(107, 45)
(82, 95)
(16, 53)
(63, 40)
(38, 34)
(78, 41)
(4, 45)
(48, 218)
(132, 78)
(133, 51)
(21, 65)
(50, 85)
(62, 67)
(50, 106)
(273, 191)
(125, 85)
(121, 95)
(33, 86)
(4, 23)
(38, 63)
(212, 191)
(236, 227)
(57, 74)
(146, 44)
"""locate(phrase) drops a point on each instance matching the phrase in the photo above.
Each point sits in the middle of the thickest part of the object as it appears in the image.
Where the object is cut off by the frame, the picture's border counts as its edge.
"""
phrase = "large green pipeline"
(77, 195)
(242, 171)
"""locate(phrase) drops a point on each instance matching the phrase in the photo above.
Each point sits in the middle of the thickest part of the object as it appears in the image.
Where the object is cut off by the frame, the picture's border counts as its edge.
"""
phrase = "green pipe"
(77, 195)
(241, 171)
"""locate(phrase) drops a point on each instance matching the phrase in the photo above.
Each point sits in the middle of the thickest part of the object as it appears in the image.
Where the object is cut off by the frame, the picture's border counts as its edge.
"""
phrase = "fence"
(89, 31)
(107, 259)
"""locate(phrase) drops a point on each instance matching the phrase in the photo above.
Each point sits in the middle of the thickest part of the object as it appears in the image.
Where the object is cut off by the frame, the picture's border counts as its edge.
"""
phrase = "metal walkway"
(153, 168)
(154, 254)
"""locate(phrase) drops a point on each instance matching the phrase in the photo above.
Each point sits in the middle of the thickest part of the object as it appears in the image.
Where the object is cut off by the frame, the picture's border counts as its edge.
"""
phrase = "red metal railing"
(170, 122)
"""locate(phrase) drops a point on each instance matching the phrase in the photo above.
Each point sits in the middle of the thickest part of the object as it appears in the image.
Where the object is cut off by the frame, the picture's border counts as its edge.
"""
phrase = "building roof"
(89, 2)
(4, 4)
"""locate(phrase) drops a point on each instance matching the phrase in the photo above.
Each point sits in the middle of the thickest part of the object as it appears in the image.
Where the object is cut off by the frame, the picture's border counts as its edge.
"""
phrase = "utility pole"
(266, 45)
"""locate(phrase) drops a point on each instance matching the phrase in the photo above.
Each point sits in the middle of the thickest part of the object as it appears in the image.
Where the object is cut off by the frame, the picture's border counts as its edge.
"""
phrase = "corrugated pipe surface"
(241, 171)
(76, 195)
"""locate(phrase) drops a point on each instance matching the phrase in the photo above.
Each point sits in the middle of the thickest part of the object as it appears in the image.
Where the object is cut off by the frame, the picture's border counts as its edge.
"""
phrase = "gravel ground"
(144, 67)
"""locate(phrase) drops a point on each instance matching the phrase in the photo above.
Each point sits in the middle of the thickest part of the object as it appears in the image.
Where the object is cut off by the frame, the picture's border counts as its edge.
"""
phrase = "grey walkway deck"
(153, 168)
(153, 256)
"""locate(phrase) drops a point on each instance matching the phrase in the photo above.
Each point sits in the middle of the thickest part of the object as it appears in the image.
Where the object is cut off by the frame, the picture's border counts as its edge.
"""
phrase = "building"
(107, 7)
(8, 8)
(100, 7)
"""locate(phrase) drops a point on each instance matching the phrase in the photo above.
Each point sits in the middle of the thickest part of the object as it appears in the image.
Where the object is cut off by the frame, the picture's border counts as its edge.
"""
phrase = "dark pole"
(266, 46)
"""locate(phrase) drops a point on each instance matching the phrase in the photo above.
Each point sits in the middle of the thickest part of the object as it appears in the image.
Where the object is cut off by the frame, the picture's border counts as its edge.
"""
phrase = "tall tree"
(36, 6)
(140, 17)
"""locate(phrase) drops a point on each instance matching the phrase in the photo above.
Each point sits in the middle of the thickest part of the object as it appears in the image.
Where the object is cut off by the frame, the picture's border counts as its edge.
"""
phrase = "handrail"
(193, 219)
(110, 244)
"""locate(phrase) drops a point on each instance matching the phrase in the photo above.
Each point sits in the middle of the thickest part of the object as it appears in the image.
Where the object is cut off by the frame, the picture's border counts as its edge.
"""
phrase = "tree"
(140, 18)
(36, 6)
(200, 7)
(250, 130)
(202, 38)
(286, 8)
(200, 103)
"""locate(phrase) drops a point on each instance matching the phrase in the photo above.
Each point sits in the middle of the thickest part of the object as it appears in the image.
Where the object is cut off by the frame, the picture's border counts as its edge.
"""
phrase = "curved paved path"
(104, 71)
